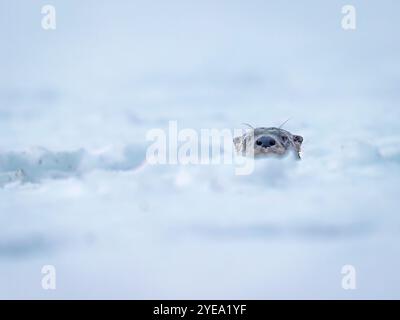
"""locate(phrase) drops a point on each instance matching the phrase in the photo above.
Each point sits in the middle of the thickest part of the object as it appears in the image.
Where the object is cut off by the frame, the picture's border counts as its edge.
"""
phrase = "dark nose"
(265, 141)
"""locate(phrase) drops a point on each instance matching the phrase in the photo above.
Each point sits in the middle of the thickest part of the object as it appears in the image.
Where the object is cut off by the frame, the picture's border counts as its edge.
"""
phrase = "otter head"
(268, 142)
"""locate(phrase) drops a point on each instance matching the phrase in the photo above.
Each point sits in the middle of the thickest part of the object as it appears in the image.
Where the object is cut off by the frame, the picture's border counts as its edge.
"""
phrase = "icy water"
(76, 104)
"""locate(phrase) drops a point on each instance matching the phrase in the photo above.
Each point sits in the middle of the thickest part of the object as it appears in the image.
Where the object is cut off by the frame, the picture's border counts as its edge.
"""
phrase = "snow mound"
(38, 164)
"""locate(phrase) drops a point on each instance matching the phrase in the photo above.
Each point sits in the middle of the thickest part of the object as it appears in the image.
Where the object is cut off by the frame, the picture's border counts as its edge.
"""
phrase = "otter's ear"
(238, 143)
(298, 139)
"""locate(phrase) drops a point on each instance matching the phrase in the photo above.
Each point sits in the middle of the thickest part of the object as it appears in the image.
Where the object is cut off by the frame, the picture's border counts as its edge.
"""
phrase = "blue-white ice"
(75, 106)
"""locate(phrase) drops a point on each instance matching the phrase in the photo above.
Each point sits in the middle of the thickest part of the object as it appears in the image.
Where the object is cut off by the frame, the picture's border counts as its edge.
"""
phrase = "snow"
(76, 193)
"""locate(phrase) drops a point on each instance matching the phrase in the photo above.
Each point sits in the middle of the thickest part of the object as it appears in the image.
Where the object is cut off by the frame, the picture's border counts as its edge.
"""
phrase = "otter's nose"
(265, 141)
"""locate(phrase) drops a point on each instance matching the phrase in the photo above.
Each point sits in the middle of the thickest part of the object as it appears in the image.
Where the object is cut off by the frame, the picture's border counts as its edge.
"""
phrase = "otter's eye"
(258, 142)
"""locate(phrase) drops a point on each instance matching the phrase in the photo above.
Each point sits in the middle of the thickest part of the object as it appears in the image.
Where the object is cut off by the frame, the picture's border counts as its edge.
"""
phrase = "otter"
(272, 141)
